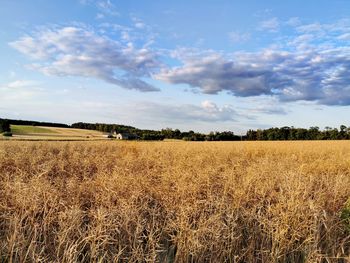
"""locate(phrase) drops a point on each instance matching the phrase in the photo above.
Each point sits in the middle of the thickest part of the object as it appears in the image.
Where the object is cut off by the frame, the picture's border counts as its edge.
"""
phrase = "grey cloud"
(268, 109)
(312, 66)
(311, 75)
(77, 51)
(215, 74)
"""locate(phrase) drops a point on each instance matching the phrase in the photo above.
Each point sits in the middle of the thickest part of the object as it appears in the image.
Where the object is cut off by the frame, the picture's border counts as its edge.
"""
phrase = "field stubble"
(174, 201)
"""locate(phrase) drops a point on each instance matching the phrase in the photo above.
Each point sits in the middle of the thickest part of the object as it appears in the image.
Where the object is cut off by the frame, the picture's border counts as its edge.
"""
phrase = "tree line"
(118, 128)
(291, 133)
(167, 133)
(196, 136)
(271, 134)
(35, 123)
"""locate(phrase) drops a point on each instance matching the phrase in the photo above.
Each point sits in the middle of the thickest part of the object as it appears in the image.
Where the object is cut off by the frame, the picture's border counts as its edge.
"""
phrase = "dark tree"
(4, 126)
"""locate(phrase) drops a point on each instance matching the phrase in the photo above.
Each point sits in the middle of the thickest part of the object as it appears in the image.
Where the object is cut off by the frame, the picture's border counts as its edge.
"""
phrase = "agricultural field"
(24, 132)
(175, 201)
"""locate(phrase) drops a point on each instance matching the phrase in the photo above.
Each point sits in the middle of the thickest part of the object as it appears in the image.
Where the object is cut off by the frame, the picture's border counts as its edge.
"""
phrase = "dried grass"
(174, 201)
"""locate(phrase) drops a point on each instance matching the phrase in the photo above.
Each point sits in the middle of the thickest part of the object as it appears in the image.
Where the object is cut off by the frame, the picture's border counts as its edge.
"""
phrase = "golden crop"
(174, 201)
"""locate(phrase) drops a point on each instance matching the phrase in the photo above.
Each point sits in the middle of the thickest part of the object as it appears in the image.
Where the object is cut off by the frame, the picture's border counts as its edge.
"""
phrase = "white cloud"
(338, 27)
(271, 25)
(310, 28)
(19, 91)
(21, 84)
(293, 21)
(77, 51)
(100, 16)
(345, 36)
(105, 7)
(140, 25)
(238, 37)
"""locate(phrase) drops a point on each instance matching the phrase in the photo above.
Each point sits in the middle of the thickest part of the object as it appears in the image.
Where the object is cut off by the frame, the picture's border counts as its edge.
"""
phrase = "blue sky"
(201, 65)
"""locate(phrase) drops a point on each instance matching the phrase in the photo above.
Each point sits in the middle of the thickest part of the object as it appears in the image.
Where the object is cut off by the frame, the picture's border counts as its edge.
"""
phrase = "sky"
(209, 65)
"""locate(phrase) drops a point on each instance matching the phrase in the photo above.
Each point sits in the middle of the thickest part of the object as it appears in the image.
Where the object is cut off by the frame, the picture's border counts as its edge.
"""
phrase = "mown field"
(40, 133)
(174, 201)
(26, 129)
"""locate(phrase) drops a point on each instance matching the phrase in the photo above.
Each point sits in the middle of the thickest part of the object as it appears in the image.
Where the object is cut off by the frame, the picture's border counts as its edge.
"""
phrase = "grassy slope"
(76, 132)
(43, 133)
(23, 130)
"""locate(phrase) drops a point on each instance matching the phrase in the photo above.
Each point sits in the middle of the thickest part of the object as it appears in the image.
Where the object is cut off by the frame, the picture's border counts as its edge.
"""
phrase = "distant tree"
(210, 136)
(152, 136)
(252, 135)
(4, 126)
(284, 133)
(168, 133)
(342, 133)
(177, 134)
(313, 133)
(334, 134)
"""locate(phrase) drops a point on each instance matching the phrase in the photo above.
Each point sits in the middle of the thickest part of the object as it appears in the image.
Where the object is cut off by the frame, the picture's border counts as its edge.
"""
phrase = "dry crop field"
(174, 201)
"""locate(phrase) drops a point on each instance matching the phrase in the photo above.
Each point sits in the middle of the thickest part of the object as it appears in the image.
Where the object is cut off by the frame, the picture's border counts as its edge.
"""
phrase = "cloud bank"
(207, 111)
(312, 64)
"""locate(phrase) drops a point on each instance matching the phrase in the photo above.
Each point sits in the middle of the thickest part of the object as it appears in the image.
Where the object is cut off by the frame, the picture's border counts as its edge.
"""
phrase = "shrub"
(345, 214)
(7, 134)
